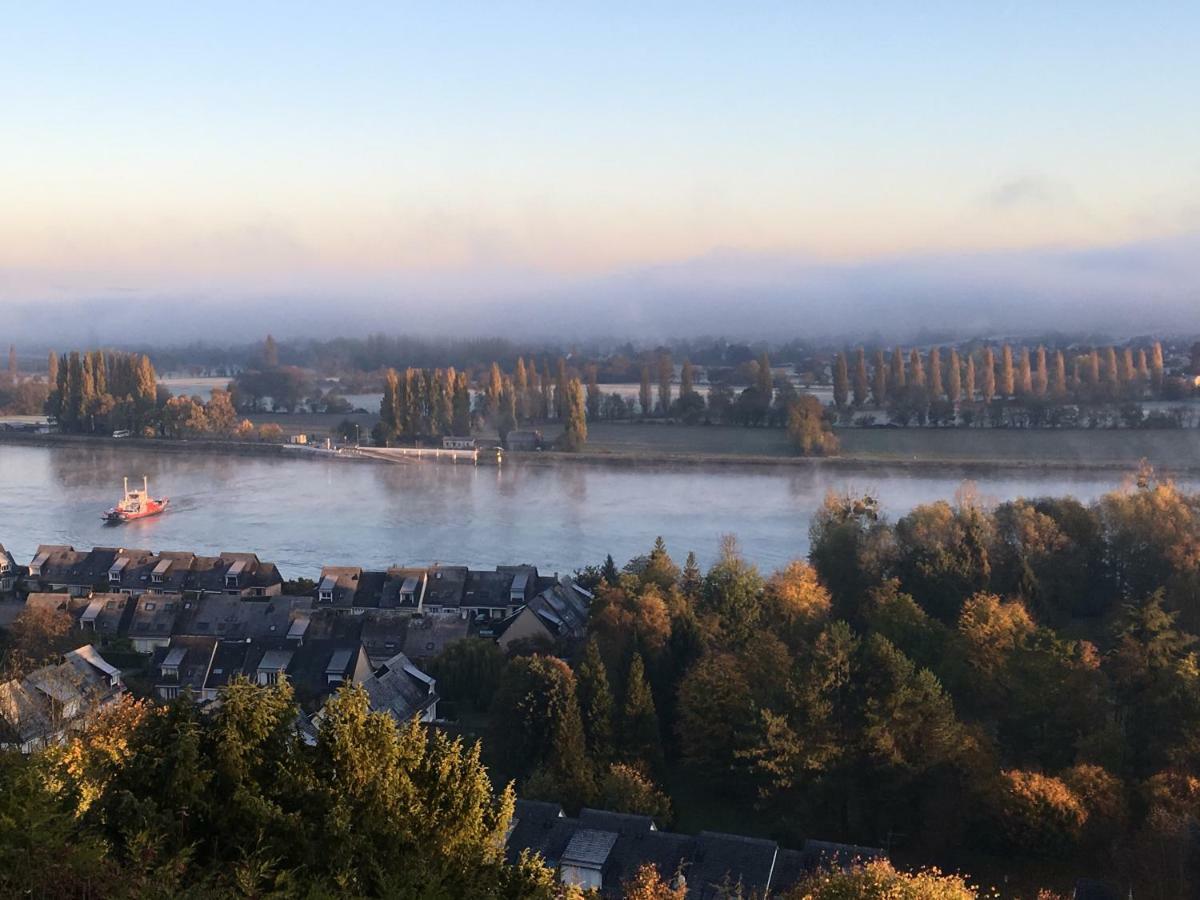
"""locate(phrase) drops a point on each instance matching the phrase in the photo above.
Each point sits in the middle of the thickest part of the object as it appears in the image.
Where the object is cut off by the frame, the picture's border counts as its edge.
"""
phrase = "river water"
(305, 513)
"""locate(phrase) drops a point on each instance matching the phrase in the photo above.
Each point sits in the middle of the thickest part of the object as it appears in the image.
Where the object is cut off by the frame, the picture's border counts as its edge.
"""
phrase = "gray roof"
(400, 689)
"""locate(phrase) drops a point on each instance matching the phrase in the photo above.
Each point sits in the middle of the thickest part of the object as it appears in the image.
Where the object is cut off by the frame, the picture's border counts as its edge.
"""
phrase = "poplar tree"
(989, 375)
(491, 393)
(861, 381)
(1008, 381)
(270, 353)
(916, 369)
(595, 703)
(1058, 387)
(547, 391)
(763, 380)
(389, 406)
(1125, 370)
(969, 384)
(1092, 371)
(461, 403)
(444, 401)
(666, 371)
(954, 379)
(644, 394)
(1025, 374)
(1041, 377)
(841, 381)
(1156, 368)
(593, 393)
(641, 740)
(1143, 368)
(935, 374)
(1112, 382)
(521, 386)
(897, 378)
(687, 379)
(12, 362)
(560, 390)
(879, 381)
(575, 431)
(52, 363)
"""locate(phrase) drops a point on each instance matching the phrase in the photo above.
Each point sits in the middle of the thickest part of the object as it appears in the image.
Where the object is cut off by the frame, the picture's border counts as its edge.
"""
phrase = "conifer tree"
(989, 375)
(644, 394)
(861, 383)
(954, 379)
(936, 388)
(1156, 368)
(641, 740)
(595, 703)
(575, 432)
(879, 381)
(609, 571)
(461, 423)
(687, 379)
(969, 382)
(691, 577)
(841, 381)
(270, 353)
(1024, 374)
(1008, 380)
(665, 372)
(916, 369)
(897, 380)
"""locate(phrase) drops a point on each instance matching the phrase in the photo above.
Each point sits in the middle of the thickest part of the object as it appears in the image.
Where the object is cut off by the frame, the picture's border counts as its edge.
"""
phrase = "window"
(168, 693)
(156, 577)
(326, 596)
(149, 606)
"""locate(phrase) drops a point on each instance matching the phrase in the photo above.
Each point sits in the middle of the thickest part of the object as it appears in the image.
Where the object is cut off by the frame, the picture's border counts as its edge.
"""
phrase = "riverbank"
(968, 452)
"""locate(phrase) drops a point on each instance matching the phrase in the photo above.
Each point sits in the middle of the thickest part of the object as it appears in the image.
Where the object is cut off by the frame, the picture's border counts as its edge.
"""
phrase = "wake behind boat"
(136, 504)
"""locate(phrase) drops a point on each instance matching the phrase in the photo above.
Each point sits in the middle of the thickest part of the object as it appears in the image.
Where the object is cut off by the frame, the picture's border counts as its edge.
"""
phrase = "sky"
(392, 155)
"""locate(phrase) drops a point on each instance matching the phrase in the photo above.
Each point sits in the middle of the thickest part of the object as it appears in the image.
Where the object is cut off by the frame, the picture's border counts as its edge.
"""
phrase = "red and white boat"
(136, 504)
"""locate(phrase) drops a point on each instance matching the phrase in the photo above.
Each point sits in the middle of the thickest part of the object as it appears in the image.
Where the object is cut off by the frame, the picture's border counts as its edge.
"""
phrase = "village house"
(184, 665)
(599, 850)
(153, 621)
(403, 691)
(39, 709)
(234, 574)
(57, 567)
(558, 613)
(8, 573)
(108, 615)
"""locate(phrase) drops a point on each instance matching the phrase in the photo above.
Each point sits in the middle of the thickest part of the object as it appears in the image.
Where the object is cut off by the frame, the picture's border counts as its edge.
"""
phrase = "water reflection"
(302, 513)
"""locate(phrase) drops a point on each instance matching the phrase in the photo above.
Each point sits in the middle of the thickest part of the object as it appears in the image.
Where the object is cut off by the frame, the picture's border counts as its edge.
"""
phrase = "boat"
(136, 504)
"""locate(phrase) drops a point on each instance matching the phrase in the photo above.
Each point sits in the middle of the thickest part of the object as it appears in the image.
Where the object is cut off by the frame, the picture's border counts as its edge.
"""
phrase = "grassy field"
(1165, 449)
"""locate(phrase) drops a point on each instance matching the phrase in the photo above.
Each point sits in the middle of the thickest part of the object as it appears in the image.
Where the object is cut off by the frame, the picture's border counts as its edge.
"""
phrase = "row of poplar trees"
(97, 391)
(1096, 376)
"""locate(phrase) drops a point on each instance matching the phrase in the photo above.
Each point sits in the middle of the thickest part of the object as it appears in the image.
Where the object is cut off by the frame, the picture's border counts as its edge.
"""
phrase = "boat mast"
(126, 485)
(145, 485)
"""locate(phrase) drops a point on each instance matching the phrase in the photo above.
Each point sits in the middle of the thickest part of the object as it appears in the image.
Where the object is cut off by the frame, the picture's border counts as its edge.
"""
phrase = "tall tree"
(861, 383)
(1156, 368)
(593, 393)
(491, 392)
(1024, 374)
(575, 430)
(897, 378)
(666, 370)
(1058, 386)
(969, 388)
(1041, 376)
(595, 703)
(988, 387)
(1143, 368)
(936, 388)
(879, 381)
(12, 362)
(561, 390)
(52, 363)
(461, 423)
(1110, 376)
(644, 394)
(916, 369)
(270, 353)
(521, 386)
(841, 381)
(1125, 369)
(641, 740)
(1008, 380)
(763, 380)
(687, 378)
(954, 379)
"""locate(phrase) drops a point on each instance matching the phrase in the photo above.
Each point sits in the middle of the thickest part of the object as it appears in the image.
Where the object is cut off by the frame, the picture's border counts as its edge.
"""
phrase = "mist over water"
(302, 514)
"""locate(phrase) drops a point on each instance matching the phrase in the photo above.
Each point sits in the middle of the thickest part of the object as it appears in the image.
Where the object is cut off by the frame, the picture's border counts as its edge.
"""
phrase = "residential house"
(108, 615)
(167, 572)
(321, 665)
(405, 589)
(445, 590)
(39, 709)
(57, 567)
(558, 613)
(428, 636)
(129, 570)
(184, 665)
(8, 573)
(228, 617)
(153, 621)
(499, 594)
(600, 850)
(236, 575)
(338, 586)
(383, 633)
(402, 690)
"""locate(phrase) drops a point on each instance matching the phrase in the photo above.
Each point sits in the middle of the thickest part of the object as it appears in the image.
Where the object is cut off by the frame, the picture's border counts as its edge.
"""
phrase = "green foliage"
(469, 670)
(595, 702)
(641, 739)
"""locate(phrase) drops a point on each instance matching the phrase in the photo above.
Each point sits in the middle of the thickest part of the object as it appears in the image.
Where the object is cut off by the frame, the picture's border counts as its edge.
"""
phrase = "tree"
(521, 385)
(665, 372)
(878, 880)
(936, 387)
(1024, 383)
(270, 353)
(897, 379)
(954, 379)
(641, 741)
(879, 381)
(562, 390)
(461, 404)
(1038, 814)
(763, 382)
(808, 429)
(862, 384)
(575, 431)
(687, 378)
(916, 369)
(1156, 368)
(219, 411)
(712, 707)
(52, 369)
(593, 394)
(12, 362)
(647, 884)
(39, 636)
(969, 379)
(1058, 385)
(595, 702)
(644, 395)
(989, 375)
(626, 789)
(841, 381)
(797, 597)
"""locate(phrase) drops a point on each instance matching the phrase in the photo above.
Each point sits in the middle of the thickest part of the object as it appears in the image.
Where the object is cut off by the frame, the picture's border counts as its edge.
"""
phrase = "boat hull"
(154, 508)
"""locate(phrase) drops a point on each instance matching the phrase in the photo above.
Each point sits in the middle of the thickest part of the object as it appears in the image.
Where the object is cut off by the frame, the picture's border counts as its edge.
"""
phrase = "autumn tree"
(809, 429)
(841, 381)
(861, 382)
(575, 430)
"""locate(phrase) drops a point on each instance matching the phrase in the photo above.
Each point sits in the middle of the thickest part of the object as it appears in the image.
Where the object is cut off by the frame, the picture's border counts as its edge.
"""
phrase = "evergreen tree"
(641, 740)
(575, 431)
(644, 394)
(936, 388)
(609, 572)
(841, 381)
(665, 371)
(1008, 380)
(988, 387)
(461, 403)
(763, 381)
(879, 381)
(861, 383)
(897, 379)
(954, 379)
(595, 703)
(690, 579)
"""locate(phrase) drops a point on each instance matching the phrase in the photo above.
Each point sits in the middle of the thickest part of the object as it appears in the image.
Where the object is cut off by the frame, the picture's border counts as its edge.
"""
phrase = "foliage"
(878, 880)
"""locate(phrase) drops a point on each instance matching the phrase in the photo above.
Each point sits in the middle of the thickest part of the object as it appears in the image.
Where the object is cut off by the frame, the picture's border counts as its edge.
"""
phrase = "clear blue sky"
(155, 144)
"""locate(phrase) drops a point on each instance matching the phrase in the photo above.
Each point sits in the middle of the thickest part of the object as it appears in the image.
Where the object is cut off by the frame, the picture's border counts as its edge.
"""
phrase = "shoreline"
(616, 459)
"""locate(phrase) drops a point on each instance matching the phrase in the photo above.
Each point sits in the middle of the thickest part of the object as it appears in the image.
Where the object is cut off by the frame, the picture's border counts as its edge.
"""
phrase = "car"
(122, 433)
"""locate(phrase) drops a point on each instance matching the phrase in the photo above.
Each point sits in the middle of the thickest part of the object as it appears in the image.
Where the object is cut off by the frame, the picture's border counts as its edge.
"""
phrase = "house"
(405, 589)
(322, 665)
(184, 665)
(167, 572)
(428, 636)
(560, 612)
(228, 618)
(445, 590)
(153, 621)
(8, 572)
(39, 709)
(129, 572)
(338, 586)
(402, 690)
(458, 443)
(494, 595)
(600, 850)
(383, 633)
(524, 440)
(234, 574)
(108, 615)
(57, 567)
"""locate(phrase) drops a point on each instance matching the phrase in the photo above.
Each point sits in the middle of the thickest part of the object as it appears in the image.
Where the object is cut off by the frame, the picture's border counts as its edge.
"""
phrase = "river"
(305, 513)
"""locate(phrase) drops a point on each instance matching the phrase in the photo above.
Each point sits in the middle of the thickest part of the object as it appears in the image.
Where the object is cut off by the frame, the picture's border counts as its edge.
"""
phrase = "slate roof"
(108, 614)
(154, 616)
(446, 586)
(430, 635)
(488, 590)
(193, 656)
(400, 689)
(231, 618)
